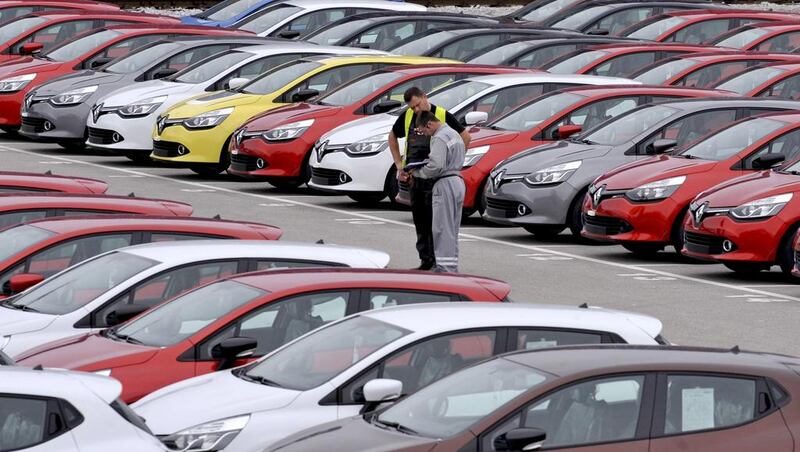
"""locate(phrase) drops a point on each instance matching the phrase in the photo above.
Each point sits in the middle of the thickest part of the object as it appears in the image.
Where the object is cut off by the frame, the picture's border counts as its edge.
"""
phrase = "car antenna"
(48, 173)
(217, 217)
(320, 242)
(131, 195)
(584, 306)
(735, 350)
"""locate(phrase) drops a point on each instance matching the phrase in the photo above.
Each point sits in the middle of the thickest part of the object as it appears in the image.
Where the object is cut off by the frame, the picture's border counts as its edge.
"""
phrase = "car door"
(56, 34)
(604, 414)
(384, 298)
(716, 413)
(37, 424)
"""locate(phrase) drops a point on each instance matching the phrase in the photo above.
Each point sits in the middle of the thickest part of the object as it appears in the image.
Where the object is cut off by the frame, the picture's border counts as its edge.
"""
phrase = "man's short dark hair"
(426, 117)
(412, 92)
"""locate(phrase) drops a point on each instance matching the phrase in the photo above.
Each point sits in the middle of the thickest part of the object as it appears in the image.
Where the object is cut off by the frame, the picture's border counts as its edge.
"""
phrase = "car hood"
(749, 188)
(189, 402)
(550, 154)
(289, 113)
(13, 321)
(359, 129)
(354, 434)
(86, 352)
(213, 101)
(146, 90)
(28, 65)
(484, 136)
(652, 169)
(79, 80)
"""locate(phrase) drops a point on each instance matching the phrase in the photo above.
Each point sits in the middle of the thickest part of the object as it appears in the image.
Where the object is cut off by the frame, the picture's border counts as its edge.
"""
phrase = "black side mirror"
(164, 72)
(288, 34)
(386, 105)
(124, 313)
(231, 349)
(598, 32)
(661, 146)
(521, 439)
(767, 161)
(99, 62)
(304, 94)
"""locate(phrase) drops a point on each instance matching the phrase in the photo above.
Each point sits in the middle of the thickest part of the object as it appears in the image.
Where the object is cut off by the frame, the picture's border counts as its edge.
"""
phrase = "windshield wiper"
(397, 426)
(114, 335)
(258, 379)
(686, 156)
(19, 307)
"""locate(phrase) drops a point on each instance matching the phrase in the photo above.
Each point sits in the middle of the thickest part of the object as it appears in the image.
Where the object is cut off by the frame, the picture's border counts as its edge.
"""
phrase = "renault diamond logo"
(96, 111)
(237, 137)
(597, 196)
(161, 123)
(497, 181)
(321, 150)
(28, 101)
(698, 214)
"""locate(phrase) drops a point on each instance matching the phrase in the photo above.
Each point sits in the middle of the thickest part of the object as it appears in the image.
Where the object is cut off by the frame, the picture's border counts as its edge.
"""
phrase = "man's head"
(417, 100)
(427, 123)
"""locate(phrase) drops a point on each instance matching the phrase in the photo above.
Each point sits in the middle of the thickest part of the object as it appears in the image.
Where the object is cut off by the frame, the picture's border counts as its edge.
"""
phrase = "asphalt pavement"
(699, 304)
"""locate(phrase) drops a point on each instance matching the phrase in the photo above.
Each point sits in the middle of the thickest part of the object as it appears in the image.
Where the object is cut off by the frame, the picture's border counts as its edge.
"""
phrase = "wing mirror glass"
(476, 118)
(29, 48)
(21, 282)
(767, 161)
(386, 105)
(521, 439)
(124, 313)
(304, 95)
(232, 349)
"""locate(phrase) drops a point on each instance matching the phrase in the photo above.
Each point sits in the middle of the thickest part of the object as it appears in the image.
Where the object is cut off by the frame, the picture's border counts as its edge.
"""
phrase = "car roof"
(10, 200)
(622, 90)
(66, 14)
(544, 77)
(699, 103)
(199, 40)
(10, 175)
(338, 60)
(725, 56)
(418, 69)
(628, 47)
(58, 383)
(285, 46)
(730, 11)
(77, 224)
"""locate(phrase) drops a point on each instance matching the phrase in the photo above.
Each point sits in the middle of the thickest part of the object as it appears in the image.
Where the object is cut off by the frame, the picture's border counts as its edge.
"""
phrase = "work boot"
(425, 266)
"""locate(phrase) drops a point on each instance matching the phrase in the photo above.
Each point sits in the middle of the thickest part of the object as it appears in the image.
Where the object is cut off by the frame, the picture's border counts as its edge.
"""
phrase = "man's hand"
(403, 176)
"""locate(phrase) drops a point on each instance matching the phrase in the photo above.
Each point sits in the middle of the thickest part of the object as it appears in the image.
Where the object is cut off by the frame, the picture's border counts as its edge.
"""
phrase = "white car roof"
(59, 383)
(300, 46)
(544, 77)
(384, 4)
(180, 252)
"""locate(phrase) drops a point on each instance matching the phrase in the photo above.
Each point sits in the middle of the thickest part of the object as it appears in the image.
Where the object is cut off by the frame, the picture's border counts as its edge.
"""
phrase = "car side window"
(184, 59)
(620, 20)
(282, 321)
(689, 128)
(55, 34)
(330, 79)
(532, 339)
(788, 88)
(427, 84)
(503, 101)
(711, 75)
(699, 402)
(386, 298)
(701, 32)
(23, 422)
(787, 144)
(425, 362)
(596, 411)
(122, 48)
(313, 21)
(11, 218)
(590, 115)
(255, 68)
(624, 65)
(81, 212)
(11, 13)
(784, 42)
(56, 258)
(539, 57)
(384, 36)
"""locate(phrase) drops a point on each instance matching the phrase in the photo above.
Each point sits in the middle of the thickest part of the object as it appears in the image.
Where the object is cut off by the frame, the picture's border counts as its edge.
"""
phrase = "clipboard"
(415, 165)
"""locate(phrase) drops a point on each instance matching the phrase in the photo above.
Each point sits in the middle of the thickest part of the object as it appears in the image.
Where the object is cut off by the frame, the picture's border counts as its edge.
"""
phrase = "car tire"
(746, 268)
(72, 146)
(786, 252)
(367, 198)
(285, 183)
(391, 187)
(643, 249)
(544, 231)
(12, 132)
(575, 216)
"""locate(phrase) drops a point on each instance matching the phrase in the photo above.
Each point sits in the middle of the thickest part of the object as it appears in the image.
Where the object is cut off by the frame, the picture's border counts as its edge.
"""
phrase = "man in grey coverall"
(444, 167)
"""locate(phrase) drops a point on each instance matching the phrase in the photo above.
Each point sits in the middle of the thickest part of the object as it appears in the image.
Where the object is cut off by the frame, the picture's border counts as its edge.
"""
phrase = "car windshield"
(268, 19)
(732, 140)
(79, 285)
(77, 47)
(13, 28)
(662, 72)
(422, 45)
(332, 35)
(359, 89)
(655, 29)
(499, 55)
(279, 77)
(748, 81)
(228, 9)
(141, 59)
(582, 18)
(211, 67)
(573, 64)
(627, 126)
(187, 314)
(16, 239)
(742, 39)
(319, 356)
(450, 96)
(546, 11)
(454, 403)
(532, 114)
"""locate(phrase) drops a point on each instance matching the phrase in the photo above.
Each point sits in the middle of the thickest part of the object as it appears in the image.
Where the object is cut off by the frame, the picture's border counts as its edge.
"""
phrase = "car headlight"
(288, 131)
(209, 119)
(104, 372)
(73, 97)
(554, 174)
(142, 108)
(14, 84)
(474, 154)
(208, 437)
(761, 208)
(659, 189)
(370, 145)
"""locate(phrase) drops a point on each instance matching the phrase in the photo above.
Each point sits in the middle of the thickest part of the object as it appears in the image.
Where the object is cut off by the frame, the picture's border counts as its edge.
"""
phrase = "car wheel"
(643, 249)
(138, 157)
(542, 231)
(367, 198)
(391, 187)
(480, 198)
(72, 146)
(285, 184)
(786, 252)
(676, 237)
(466, 213)
(575, 220)
(746, 268)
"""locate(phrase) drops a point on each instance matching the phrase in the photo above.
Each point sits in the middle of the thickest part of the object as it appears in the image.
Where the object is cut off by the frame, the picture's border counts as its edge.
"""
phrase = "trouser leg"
(448, 200)
(421, 212)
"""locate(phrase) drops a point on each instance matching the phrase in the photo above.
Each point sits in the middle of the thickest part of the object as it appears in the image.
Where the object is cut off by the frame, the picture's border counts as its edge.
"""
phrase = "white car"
(123, 120)
(334, 169)
(298, 18)
(94, 294)
(60, 411)
(332, 372)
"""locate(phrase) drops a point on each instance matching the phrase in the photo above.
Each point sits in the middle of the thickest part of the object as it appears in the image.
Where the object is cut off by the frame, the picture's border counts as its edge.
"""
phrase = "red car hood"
(483, 136)
(86, 352)
(28, 65)
(289, 113)
(749, 188)
(652, 169)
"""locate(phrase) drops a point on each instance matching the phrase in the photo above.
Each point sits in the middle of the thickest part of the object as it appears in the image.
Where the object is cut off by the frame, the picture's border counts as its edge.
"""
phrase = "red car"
(13, 182)
(749, 223)
(42, 31)
(19, 208)
(551, 117)
(87, 51)
(262, 149)
(781, 80)
(699, 26)
(181, 338)
(762, 36)
(707, 69)
(45, 247)
(620, 60)
(644, 203)
(11, 9)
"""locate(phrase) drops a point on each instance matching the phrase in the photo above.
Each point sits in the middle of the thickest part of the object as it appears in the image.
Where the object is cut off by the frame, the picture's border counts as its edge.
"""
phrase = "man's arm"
(466, 137)
(436, 160)
(394, 147)
(455, 125)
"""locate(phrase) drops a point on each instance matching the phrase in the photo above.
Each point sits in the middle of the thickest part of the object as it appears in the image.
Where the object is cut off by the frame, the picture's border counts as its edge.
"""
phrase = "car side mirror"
(386, 105)
(21, 282)
(598, 32)
(661, 146)
(164, 72)
(768, 161)
(124, 313)
(231, 349)
(566, 131)
(304, 95)
(521, 439)
(383, 390)
(288, 34)
(237, 82)
(476, 118)
(99, 62)
(29, 48)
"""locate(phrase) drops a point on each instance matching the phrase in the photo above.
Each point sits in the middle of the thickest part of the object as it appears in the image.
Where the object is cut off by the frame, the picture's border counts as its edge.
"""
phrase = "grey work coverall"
(444, 166)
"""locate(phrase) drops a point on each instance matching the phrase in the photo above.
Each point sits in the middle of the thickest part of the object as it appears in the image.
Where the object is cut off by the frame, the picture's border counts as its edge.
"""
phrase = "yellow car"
(196, 132)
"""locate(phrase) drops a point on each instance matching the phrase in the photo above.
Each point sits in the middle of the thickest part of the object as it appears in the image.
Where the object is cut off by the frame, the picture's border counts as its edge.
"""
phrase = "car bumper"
(620, 220)
(45, 122)
(256, 157)
(178, 144)
(133, 134)
(341, 172)
(10, 105)
(751, 241)
(518, 204)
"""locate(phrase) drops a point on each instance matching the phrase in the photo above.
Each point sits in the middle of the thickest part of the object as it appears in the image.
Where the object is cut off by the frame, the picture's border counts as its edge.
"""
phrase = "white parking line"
(634, 268)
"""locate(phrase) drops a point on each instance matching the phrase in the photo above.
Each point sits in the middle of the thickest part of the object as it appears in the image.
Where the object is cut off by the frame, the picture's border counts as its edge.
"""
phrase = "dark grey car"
(65, 103)
(542, 189)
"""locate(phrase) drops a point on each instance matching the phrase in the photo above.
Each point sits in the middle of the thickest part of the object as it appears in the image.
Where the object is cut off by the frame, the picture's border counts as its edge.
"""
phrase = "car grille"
(32, 125)
(605, 225)
(102, 136)
(703, 243)
(241, 162)
(168, 149)
(324, 176)
(502, 208)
